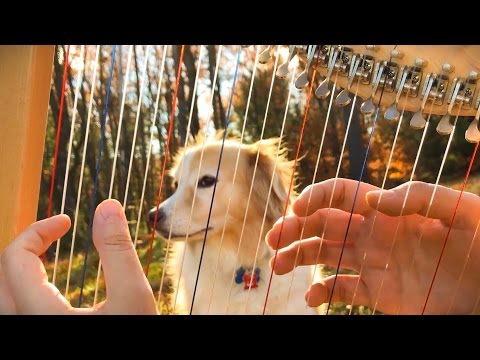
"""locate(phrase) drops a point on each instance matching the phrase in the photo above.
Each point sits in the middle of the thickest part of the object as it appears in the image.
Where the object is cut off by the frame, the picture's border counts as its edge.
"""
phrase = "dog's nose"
(160, 214)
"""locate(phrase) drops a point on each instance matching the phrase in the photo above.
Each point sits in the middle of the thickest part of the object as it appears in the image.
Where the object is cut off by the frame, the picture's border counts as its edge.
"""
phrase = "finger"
(313, 251)
(418, 202)
(127, 287)
(24, 271)
(343, 192)
(336, 222)
(348, 289)
(7, 305)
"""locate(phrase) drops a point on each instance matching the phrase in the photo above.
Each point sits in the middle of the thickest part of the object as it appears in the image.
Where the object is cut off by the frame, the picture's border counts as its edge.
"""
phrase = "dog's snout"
(160, 215)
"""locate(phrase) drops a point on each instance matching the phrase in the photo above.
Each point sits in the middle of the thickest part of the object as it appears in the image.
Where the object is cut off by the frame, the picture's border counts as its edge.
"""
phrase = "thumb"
(126, 283)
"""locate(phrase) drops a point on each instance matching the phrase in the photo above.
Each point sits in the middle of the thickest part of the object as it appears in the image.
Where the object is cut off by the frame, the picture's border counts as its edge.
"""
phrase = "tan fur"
(215, 298)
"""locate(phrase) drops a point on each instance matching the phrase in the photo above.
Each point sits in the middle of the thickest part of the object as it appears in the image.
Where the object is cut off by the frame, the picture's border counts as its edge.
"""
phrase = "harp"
(389, 81)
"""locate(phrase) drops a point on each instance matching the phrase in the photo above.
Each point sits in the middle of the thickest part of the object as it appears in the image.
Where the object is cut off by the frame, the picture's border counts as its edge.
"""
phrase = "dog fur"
(216, 294)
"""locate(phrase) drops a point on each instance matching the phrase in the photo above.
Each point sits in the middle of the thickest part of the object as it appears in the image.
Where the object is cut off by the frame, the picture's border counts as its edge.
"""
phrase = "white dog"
(225, 289)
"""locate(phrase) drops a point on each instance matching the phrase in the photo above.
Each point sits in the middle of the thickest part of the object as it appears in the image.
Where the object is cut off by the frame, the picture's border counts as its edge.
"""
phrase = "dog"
(227, 283)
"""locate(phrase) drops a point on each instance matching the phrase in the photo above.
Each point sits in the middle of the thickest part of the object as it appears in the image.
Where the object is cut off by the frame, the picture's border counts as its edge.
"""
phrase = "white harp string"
(115, 156)
(401, 212)
(385, 177)
(207, 133)
(440, 171)
(149, 155)
(463, 270)
(292, 82)
(320, 148)
(277, 55)
(192, 105)
(82, 167)
(347, 130)
(78, 84)
(254, 70)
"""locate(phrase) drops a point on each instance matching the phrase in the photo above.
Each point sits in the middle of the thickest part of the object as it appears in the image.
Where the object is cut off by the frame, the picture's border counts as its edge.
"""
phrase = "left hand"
(24, 286)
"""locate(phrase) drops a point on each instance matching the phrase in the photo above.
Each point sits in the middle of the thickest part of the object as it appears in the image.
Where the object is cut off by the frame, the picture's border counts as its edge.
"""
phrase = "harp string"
(356, 191)
(431, 200)
(468, 254)
(381, 193)
(149, 154)
(97, 172)
(227, 122)
(385, 177)
(167, 147)
(192, 105)
(307, 107)
(139, 106)
(57, 140)
(451, 224)
(253, 180)
(420, 148)
(320, 148)
(70, 142)
(82, 167)
(254, 70)
(207, 133)
(463, 270)
(417, 157)
(271, 184)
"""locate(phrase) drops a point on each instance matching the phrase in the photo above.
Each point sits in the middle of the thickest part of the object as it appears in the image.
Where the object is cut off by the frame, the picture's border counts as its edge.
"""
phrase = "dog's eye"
(206, 181)
(176, 185)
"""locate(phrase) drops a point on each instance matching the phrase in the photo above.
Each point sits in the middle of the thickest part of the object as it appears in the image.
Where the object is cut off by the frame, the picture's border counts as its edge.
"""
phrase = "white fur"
(225, 296)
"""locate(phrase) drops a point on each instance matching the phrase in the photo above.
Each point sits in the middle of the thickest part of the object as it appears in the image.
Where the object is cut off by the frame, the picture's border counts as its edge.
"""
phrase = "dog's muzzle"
(160, 217)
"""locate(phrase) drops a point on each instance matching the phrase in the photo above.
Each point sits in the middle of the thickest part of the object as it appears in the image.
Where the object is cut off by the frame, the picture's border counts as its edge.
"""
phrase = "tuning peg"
(472, 135)
(282, 70)
(392, 112)
(448, 68)
(343, 97)
(265, 55)
(367, 106)
(418, 121)
(444, 126)
(396, 54)
(420, 62)
(322, 90)
(372, 47)
(302, 79)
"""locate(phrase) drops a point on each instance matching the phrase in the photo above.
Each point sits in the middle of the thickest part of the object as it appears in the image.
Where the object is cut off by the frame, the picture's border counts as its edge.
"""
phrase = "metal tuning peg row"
(343, 97)
(282, 70)
(322, 90)
(302, 79)
(472, 135)
(265, 55)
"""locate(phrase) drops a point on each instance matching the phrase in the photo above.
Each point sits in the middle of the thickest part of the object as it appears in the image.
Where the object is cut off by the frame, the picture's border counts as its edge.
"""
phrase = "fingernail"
(110, 208)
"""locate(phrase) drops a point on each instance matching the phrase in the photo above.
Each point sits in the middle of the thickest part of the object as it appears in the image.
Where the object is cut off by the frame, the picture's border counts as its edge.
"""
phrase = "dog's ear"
(270, 159)
(176, 161)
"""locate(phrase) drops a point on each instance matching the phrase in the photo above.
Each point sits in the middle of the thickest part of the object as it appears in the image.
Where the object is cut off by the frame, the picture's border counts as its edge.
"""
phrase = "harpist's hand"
(405, 287)
(24, 287)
